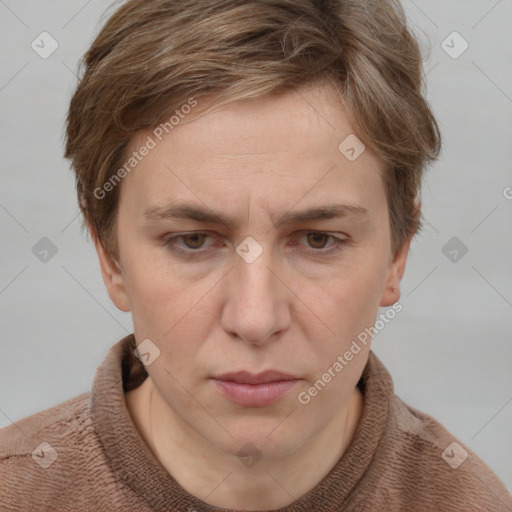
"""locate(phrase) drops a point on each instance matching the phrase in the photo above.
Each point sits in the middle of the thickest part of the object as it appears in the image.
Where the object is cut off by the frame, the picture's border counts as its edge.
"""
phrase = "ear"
(112, 277)
(395, 274)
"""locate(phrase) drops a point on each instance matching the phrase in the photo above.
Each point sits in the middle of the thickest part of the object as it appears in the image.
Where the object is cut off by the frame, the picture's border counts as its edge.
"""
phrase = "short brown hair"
(152, 56)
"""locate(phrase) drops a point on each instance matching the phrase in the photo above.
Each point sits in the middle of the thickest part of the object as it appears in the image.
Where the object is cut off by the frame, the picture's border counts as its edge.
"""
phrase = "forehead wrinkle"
(183, 210)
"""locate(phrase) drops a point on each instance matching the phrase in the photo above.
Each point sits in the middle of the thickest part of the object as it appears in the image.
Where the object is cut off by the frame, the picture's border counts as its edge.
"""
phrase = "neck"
(219, 478)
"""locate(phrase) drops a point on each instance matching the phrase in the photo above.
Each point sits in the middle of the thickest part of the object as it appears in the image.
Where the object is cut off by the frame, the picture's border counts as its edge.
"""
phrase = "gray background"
(449, 350)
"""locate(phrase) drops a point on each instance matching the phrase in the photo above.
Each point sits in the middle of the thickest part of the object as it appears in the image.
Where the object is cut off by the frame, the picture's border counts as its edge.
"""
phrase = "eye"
(196, 239)
(194, 243)
(318, 239)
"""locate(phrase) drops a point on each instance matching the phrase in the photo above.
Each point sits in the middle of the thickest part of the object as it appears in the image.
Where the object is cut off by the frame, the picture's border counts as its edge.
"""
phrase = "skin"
(292, 309)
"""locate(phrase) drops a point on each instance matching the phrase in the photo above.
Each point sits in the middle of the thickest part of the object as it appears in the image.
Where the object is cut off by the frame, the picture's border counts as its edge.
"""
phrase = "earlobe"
(112, 277)
(391, 293)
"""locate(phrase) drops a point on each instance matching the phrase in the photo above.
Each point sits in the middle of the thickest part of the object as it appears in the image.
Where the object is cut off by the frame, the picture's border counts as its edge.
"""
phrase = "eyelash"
(191, 253)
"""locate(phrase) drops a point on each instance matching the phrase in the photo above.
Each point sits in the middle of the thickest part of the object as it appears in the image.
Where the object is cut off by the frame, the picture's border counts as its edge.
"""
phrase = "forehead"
(291, 144)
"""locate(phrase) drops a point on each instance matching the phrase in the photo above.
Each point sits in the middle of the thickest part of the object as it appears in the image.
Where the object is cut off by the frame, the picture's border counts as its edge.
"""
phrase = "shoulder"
(49, 455)
(60, 421)
(421, 465)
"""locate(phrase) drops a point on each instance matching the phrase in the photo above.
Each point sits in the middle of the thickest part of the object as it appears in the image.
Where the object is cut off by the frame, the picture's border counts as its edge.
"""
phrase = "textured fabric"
(102, 463)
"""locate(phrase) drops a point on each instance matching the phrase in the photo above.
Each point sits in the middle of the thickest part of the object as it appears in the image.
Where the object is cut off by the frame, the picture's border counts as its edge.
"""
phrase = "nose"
(256, 306)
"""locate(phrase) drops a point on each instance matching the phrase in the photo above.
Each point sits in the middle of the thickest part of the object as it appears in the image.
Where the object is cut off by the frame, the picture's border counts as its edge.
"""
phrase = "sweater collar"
(135, 465)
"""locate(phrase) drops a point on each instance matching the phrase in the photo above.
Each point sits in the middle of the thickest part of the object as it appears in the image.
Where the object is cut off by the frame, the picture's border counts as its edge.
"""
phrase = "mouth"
(255, 390)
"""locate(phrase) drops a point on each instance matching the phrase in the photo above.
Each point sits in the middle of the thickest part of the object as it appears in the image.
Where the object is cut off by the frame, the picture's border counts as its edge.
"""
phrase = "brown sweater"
(96, 460)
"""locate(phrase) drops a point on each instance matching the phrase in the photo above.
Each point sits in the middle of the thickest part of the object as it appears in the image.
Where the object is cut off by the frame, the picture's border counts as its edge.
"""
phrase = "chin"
(268, 438)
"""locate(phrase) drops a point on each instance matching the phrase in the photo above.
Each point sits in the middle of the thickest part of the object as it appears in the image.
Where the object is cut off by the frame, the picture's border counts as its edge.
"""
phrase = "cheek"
(169, 310)
(152, 292)
(349, 308)
(354, 295)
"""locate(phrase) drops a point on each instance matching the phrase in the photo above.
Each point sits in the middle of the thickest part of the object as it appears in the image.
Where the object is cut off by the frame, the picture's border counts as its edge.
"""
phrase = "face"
(270, 290)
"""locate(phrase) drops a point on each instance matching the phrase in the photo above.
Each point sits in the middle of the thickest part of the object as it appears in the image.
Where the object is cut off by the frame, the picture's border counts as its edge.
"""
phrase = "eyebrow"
(205, 215)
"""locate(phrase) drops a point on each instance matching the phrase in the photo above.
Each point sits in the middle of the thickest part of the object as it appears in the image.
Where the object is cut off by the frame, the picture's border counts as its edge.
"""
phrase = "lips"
(255, 390)
(244, 377)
